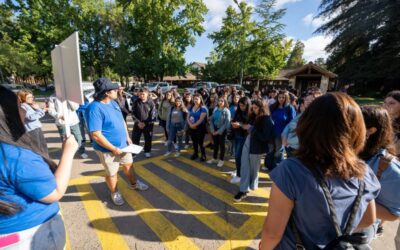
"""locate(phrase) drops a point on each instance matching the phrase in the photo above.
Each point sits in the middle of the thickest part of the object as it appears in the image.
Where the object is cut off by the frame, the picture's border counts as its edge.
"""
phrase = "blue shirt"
(311, 211)
(194, 116)
(289, 132)
(32, 117)
(25, 179)
(389, 197)
(216, 116)
(232, 109)
(108, 119)
(282, 117)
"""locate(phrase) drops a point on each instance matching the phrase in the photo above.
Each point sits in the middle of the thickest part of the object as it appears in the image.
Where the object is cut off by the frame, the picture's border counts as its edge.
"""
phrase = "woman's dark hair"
(276, 104)
(263, 111)
(331, 134)
(244, 115)
(395, 94)
(377, 117)
(12, 131)
(201, 99)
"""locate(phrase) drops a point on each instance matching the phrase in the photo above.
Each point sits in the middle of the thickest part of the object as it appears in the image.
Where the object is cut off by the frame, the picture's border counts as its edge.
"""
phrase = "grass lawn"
(39, 93)
(368, 100)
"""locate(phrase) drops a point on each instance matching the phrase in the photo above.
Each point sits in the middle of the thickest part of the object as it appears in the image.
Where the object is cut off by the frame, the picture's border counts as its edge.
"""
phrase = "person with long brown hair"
(196, 120)
(31, 184)
(379, 153)
(176, 120)
(219, 125)
(260, 131)
(32, 114)
(392, 104)
(331, 134)
(282, 113)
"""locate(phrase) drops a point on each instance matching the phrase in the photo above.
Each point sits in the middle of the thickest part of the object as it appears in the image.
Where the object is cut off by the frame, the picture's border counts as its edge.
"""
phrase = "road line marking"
(107, 233)
(168, 233)
(207, 217)
(245, 235)
(211, 189)
(261, 192)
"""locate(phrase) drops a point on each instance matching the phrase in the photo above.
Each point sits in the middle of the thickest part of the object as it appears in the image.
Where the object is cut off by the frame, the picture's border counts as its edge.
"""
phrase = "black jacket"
(260, 136)
(144, 111)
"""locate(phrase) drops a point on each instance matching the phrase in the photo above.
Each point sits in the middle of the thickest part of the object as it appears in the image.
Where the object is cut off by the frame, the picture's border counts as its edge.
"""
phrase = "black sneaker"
(194, 157)
(240, 196)
(379, 232)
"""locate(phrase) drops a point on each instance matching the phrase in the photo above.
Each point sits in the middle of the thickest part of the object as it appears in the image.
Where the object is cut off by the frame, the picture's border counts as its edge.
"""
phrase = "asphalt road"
(189, 205)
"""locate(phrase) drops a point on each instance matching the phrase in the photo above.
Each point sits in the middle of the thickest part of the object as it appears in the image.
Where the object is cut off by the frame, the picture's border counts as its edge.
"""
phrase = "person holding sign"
(110, 135)
(57, 112)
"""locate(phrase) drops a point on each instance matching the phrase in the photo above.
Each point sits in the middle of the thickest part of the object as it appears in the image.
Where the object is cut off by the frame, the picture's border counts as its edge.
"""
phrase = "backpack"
(344, 240)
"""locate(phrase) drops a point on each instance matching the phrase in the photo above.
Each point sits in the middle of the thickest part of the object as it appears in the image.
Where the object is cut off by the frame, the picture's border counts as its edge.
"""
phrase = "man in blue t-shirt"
(110, 134)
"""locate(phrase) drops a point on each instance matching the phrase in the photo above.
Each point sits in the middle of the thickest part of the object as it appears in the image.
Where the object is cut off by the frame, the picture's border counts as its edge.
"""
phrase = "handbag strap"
(332, 209)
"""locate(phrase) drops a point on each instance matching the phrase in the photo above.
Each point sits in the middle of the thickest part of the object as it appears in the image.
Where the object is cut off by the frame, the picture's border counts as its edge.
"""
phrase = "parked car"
(164, 86)
(238, 87)
(199, 85)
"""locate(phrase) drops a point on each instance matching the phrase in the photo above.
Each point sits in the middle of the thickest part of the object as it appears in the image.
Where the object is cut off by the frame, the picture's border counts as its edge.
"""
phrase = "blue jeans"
(239, 143)
(173, 133)
(250, 165)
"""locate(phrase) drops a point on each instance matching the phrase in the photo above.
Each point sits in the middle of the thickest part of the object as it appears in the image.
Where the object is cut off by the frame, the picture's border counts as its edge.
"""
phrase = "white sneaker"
(117, 198)
(148, 155)
(139, 186)
(84, 156)
(211, 161)
(166, 143)
(233, 173)
(177, 154)
(235, 179)
(168, 153)
(220, 164)
(186, 146)
(263, 168)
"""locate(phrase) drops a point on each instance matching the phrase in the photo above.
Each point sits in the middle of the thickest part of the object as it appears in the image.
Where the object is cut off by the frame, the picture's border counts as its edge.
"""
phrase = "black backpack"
(343, 241)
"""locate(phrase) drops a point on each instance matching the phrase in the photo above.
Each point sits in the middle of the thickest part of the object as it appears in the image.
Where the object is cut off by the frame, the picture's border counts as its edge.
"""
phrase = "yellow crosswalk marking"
(245, 234)
(207, 217)
(168, 233)
(106, 231)
(213, 190)
(261, 192)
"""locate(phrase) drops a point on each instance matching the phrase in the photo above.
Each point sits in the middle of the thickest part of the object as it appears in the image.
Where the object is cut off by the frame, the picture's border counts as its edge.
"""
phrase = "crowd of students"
(311, 144)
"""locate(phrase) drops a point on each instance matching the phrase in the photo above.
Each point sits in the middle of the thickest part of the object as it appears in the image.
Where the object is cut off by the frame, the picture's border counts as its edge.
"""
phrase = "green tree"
(243, 45)
(366, 40)
(296, 56)
(159, 33)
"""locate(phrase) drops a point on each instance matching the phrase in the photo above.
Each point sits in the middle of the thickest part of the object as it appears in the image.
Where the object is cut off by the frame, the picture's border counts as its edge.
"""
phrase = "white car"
(164, 86)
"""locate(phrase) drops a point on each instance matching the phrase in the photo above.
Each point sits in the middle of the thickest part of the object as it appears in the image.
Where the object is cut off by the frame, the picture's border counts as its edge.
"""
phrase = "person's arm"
(128, 139)
(285, 135)
(203, 116)
(384, 214)
(168, 121)
(102, 141)
(212, 128)
(63, 172)
(52, 110)
(369, 216)
(33, 114)
(226, 125)
(134, 111)
(279, 211)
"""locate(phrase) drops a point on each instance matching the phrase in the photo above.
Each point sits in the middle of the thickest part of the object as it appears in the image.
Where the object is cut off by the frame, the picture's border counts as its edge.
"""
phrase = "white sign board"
(67, 70)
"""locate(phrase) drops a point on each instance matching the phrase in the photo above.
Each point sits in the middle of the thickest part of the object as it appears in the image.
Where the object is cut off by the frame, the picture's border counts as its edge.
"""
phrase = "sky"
(299, 22)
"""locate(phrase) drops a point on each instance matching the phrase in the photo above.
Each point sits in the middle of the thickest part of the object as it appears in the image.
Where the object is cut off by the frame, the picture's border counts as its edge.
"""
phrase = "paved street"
(189, 205)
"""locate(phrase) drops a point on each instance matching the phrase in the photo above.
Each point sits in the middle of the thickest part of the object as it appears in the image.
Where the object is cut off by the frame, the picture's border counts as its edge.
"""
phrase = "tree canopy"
(366, 40)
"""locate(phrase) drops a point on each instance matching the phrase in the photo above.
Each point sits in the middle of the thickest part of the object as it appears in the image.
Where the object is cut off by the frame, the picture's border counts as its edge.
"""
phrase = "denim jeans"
(49, 235)
(239, 143)
(250, 165)
(173, 133)
(76, 132)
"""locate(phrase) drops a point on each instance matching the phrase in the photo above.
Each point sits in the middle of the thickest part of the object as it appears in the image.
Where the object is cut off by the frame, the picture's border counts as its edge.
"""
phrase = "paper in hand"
(132, 148)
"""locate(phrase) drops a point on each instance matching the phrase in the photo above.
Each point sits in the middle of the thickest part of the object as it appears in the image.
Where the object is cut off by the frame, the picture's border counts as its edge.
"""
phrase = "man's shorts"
(111, 162)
